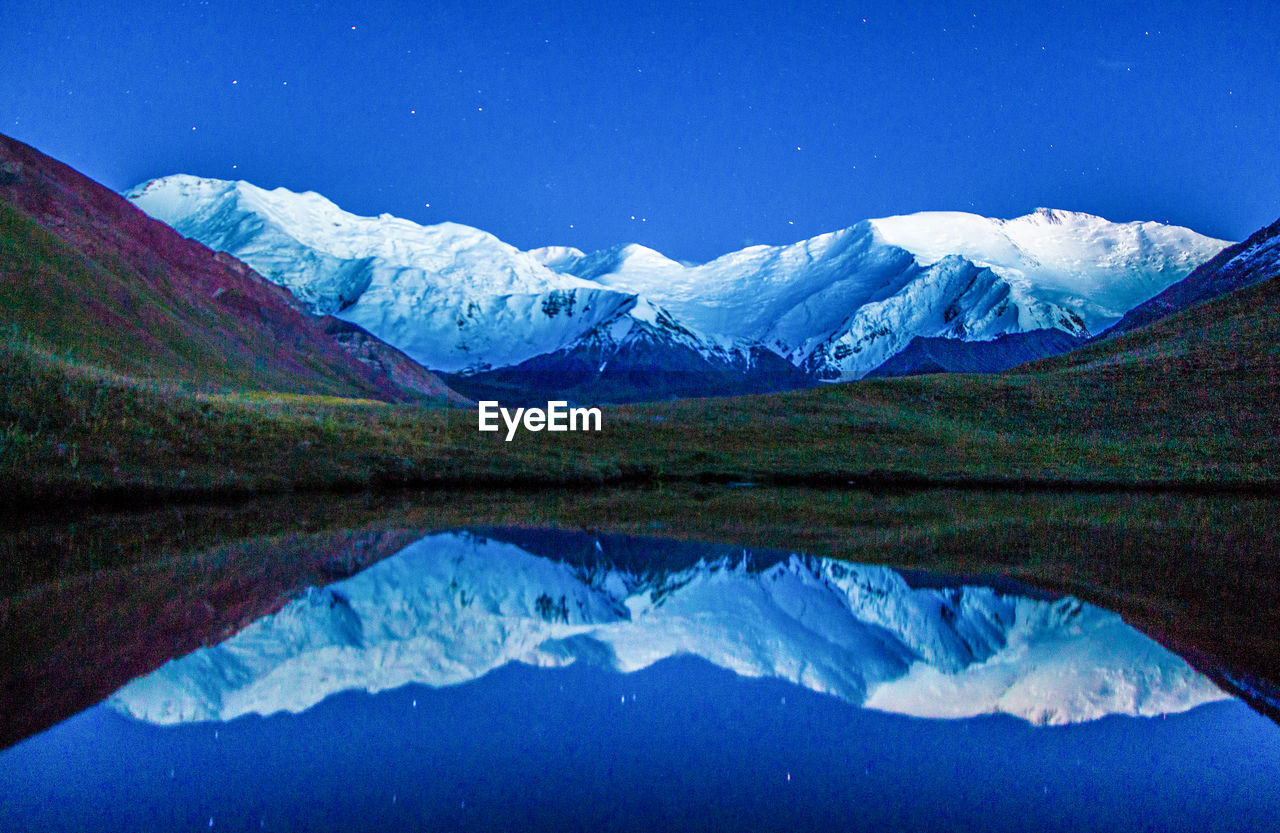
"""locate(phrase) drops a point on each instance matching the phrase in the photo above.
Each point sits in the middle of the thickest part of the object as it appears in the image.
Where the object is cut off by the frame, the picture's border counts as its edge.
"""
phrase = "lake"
(499, 679)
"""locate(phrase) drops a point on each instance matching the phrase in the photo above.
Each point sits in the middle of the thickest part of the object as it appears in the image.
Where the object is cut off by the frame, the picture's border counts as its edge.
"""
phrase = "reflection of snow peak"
(453, 606)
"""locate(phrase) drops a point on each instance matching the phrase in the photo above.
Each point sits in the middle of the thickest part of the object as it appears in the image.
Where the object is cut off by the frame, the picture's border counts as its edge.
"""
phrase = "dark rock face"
(1235, 267)
(187, 310)
(644, 367)
(950, 355)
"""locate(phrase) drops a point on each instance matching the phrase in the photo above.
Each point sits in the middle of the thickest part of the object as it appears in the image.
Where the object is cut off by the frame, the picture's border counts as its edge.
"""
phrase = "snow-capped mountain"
(456, 605)
(840, 304)
(1244, 264)
(835, 306)
(454, 298)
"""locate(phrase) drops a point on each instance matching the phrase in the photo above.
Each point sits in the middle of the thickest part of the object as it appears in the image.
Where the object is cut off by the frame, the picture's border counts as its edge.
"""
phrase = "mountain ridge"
(835, 306)
(834, 276)
(949, 355)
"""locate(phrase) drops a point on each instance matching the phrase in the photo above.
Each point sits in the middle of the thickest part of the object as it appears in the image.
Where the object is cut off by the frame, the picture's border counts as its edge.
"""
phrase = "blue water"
(682, 745)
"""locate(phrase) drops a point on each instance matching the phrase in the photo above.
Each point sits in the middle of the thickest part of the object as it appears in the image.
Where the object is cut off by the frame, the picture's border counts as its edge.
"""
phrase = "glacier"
(1235, 267)
(455, 605)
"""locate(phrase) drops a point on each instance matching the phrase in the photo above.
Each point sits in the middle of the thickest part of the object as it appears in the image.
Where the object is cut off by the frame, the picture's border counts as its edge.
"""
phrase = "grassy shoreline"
(71, 431)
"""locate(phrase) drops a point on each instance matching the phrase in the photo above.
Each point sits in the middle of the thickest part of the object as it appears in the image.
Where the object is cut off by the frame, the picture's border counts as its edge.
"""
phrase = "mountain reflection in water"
(513, 680)
(456, 605)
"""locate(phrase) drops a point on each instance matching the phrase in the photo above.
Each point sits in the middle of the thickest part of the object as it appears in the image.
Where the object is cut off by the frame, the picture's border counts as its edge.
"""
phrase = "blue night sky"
(713, 125)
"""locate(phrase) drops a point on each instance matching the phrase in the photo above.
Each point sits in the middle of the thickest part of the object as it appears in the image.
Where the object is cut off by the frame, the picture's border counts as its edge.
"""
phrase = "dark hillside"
(86, 275)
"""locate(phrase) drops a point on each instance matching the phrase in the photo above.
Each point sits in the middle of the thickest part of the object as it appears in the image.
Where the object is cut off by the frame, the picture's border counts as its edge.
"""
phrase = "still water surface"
(501, 680)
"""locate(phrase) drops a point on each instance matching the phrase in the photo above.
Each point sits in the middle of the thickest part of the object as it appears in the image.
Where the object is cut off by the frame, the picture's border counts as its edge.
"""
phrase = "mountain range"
(372, 302)
(629, 323)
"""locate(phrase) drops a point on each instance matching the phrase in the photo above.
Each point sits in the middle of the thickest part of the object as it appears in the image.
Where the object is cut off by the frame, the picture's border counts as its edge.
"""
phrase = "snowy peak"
(454, 606)
(631, 258)
(1048, 215)
(1096, 267)
(238, 215)
(557, 258)
(841, 303)
(746, 293)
